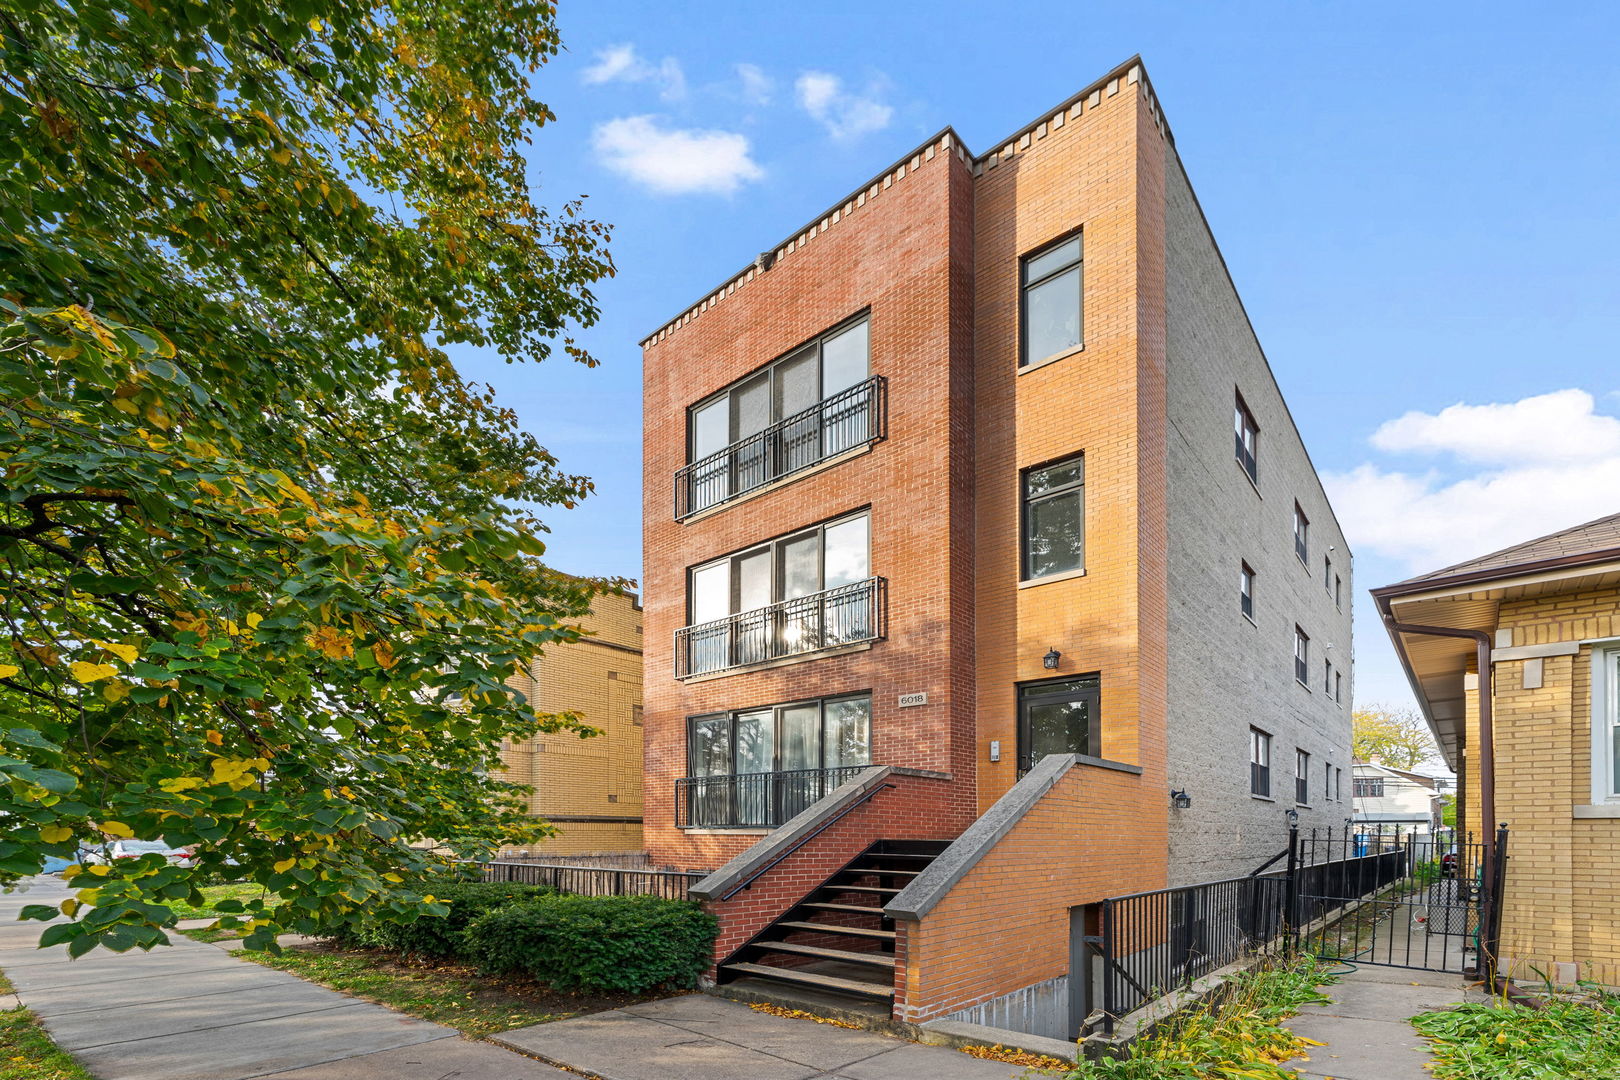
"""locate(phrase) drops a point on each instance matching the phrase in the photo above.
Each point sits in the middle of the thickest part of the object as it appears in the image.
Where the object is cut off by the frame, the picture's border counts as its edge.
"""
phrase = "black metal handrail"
(850, 418)
(846, 615)
(754, 800)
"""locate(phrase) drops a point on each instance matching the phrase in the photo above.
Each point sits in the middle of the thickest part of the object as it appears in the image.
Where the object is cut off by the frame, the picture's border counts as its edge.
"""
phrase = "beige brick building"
(1549, 613)
(589, 788)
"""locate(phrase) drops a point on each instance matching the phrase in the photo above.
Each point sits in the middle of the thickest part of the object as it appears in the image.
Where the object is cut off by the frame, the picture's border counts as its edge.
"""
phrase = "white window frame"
(1605, 719)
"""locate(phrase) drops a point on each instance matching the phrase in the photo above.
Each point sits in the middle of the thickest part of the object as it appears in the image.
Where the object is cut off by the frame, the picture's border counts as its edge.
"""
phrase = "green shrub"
(441, 936)
(629, 943)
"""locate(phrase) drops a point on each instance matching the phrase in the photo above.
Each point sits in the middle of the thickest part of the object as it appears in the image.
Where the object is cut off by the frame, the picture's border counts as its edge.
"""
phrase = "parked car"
(132, 849)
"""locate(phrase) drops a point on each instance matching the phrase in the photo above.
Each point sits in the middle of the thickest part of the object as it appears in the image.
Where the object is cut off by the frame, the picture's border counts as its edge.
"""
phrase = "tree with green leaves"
(266, 558)
(1396, 738)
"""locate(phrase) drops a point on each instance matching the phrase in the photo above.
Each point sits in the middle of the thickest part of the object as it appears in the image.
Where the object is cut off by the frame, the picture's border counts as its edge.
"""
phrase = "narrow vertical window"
(1247, 436)
(1246, 591)
(1338, 782)
(1302, 772)
(1302, 655)
(1259, 763)
(1054, 517)
(1327, 573)
(1338, 592)
(1050, 301)
(1327, 678)
(1302, 536)
(1327, 782)
(1338, 686)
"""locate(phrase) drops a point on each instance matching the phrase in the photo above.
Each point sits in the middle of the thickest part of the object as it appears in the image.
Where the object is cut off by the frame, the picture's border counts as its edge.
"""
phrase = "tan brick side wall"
(894, 256)
(1563, 874)
(1005, 925)
(598, 677)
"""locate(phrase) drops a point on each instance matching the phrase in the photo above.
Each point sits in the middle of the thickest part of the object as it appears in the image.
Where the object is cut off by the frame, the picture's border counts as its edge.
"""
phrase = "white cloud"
(1559, 426)
(621, 63)
(756, 85)
(845, 115)
(1549, 462)
(675, 161)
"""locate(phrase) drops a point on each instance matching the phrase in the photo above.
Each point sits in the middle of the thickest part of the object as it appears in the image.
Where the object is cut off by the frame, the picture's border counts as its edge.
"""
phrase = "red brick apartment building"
(990, 531)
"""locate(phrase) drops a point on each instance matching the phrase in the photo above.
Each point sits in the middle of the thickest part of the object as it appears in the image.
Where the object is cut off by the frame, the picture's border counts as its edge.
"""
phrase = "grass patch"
(445, 992)
(1568, 1039)
(27, 1053)
(1240, 1037)
(213, 894)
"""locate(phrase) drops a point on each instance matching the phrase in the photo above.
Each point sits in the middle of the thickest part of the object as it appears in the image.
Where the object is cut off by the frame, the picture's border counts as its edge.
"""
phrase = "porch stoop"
(835, 946)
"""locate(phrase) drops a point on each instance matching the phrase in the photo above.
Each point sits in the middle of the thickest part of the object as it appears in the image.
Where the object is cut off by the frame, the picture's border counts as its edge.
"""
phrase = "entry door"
(1057, 717)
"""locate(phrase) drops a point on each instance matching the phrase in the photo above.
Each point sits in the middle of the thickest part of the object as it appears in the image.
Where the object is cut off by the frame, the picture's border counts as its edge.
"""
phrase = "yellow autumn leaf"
(90, 896)
(227, 771)
(8, 670)
(71, 871)
(87, 672)
(55, 834)
(208, 488)
(126, 653)
(254, 619)
(68, 907)
(176, 784)
(215, 738)
(116, 690)
(285, 864)
(98, 870)
(117, 828)
(395, 878)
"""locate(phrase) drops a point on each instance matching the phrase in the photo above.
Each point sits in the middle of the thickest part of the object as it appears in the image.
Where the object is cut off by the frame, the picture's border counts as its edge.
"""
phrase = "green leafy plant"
(1238, 1037)
(266, 558)
(627, 943)
(443, 935)
(1566, 1039)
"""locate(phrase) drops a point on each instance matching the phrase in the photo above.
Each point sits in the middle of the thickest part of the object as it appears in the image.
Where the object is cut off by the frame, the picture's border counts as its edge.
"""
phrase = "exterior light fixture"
(1293, 817)
(1050, 660)
(1180, 799)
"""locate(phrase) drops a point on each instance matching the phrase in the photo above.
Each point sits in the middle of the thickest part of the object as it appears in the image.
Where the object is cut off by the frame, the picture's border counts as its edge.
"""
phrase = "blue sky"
(1418, 204)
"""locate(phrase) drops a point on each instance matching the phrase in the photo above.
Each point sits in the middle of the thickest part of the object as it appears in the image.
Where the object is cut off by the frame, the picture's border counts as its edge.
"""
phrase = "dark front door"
(1059, 716)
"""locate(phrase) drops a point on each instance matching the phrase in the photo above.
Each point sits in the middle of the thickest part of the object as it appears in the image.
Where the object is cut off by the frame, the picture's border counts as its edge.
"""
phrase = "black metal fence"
(843, 421)
(845, 615)
(594, 880)
(1359, 893)
(753, 800)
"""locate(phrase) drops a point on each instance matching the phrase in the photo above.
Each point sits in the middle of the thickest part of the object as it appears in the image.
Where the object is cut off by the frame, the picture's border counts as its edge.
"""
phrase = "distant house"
(1394, 798)
(1545, 618)
(589, 788)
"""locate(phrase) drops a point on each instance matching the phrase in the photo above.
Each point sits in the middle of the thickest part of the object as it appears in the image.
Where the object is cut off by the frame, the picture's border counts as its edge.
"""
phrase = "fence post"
(1491, 918)
(1109, 952)
(1291, 892)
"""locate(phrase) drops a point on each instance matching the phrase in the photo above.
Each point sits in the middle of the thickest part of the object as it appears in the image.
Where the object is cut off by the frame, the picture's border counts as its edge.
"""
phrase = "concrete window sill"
(1054, 358)
(1047, 579)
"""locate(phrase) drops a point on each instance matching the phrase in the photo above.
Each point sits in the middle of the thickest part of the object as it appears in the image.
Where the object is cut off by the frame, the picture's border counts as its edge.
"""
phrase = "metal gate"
(1371, 895)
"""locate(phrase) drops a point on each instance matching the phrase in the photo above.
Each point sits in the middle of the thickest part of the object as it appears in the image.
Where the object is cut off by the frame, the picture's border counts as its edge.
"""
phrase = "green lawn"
(240, 890)
(448, 993)
(26, 1052)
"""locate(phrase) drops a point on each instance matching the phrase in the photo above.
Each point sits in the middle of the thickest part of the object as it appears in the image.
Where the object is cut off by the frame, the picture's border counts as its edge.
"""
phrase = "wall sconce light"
(1050, 660)
(1293, 817)
(1180, 799)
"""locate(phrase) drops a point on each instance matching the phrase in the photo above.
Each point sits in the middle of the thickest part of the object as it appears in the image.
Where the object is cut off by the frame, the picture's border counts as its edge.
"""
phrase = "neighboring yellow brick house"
(589, 788)
(1549, 613)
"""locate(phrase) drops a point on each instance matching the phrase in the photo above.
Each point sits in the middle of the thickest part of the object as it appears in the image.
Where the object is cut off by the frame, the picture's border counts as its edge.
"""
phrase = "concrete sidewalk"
(1365, 1029)
(195, 1012)
(698, 1037)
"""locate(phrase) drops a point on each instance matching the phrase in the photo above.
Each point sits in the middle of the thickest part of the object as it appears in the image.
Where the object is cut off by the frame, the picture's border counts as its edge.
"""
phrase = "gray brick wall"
(1226, 672)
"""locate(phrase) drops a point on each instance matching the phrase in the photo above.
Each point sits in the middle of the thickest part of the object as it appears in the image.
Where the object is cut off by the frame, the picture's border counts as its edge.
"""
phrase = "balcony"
(753, 800)
(848, 419)
(847, 615)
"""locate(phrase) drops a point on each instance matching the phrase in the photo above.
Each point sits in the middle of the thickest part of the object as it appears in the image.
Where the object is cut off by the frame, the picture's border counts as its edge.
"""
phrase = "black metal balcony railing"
(846, 615)
(753, 800)
(847, 419)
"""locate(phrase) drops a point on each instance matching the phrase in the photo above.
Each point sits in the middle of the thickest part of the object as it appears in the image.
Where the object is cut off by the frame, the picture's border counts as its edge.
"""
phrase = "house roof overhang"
(1437, 667)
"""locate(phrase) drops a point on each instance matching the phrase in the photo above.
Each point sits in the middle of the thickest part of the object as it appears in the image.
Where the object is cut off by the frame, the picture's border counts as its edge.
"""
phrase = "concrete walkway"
(195, 1012)
(698, 1037)
(1365, 1026)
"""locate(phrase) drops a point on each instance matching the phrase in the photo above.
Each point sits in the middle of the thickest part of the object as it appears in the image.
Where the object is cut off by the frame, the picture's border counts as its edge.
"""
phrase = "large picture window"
(1054, 517)
(1059, 716)
(756, 768)
(1051, 293)
(1605, 725)
(801, 593)
(811, 404)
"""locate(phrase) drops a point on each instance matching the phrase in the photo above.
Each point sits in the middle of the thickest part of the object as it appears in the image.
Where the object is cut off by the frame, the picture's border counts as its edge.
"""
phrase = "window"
(1302, 772)
(1054, 517)
(1246, 591)
(1338, 686)
(1327, 678)
(811, 404)
(797, 594)
(1247, 435)
(1338, 592)
(1051, 301)
(832, 733)
(1605, 726)
(1327, 574)
(1302, 649)
(1338, 786)
(1059, 716)
(1259, 763)
(1302, 536)
(1327, 782)
(1367, 787)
